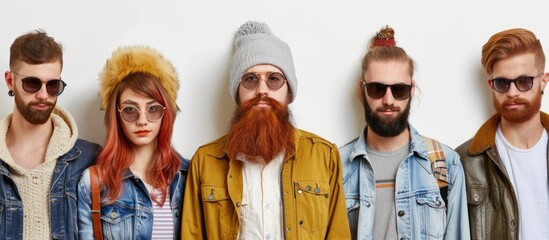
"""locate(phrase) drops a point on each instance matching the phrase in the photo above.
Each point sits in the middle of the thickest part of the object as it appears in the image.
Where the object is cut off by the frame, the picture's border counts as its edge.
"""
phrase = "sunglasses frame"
(139, 111)
(409, 91)
(30, 79)
(509, 81)
(258, 75)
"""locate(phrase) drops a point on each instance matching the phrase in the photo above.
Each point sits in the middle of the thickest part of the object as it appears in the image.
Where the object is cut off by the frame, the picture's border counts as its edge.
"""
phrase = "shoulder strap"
(96, 203)
(438, 165)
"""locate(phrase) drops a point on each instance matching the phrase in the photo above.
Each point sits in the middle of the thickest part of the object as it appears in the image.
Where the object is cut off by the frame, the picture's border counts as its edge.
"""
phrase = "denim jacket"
(62, 200)
(131, 215)
(421, 211)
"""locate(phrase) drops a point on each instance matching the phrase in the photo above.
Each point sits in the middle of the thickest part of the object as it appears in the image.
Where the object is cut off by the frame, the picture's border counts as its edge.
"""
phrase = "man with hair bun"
(265, 179)
(399, 184)
(506, 161)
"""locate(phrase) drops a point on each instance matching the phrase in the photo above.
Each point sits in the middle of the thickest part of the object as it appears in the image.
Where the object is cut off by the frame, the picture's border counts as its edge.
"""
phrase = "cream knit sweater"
(34, 184)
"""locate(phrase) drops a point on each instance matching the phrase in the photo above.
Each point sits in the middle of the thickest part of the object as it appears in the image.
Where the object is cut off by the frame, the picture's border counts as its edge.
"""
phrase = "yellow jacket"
(312, 190)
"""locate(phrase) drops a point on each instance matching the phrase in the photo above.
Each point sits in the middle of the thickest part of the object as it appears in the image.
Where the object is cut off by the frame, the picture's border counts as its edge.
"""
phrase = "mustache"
(388, 108)
(515, 101)
(41, 102)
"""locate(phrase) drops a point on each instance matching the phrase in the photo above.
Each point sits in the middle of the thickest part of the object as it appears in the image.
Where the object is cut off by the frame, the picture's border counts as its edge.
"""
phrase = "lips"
(141, 133)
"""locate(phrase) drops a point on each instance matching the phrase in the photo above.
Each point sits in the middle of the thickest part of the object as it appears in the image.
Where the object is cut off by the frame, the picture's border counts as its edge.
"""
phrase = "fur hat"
(255, 44)
(133, 59)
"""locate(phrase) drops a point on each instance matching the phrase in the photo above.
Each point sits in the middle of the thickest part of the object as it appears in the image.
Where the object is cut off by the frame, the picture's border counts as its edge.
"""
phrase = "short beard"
(259, 132)
(387, 127)
(531, 108)
(32, 116)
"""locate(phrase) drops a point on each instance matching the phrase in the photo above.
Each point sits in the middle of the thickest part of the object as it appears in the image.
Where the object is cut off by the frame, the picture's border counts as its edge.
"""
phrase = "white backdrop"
(327, 39)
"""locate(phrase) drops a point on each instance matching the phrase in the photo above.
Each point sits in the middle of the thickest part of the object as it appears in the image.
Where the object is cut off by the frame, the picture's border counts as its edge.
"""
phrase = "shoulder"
(305, 137)
(87, 147)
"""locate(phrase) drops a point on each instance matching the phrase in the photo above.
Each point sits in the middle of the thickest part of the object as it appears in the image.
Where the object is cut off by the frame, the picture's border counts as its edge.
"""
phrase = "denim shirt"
(420, 210)
(131, 215)
(62, 199)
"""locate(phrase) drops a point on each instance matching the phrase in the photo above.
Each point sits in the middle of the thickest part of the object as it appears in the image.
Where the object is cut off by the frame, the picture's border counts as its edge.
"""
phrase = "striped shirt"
(163, 219)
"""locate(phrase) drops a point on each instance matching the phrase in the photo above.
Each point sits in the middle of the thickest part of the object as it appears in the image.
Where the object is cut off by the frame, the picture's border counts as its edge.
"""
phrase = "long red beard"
(260, 132)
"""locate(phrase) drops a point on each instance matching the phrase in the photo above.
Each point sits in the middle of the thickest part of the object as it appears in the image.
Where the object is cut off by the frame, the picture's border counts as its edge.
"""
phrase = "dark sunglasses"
(377, 90)
(274, 80)
(522, 83)
(131, 114)
(54, 87)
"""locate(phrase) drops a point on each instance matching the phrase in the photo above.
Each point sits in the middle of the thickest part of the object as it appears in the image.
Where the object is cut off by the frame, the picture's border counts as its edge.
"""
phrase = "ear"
(413, 93)
(543, 80)
(9, 80)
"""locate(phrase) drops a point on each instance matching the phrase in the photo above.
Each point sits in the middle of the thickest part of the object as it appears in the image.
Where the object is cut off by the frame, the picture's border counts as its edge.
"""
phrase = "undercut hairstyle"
(382, 48)
(509, 43)
(35, 48)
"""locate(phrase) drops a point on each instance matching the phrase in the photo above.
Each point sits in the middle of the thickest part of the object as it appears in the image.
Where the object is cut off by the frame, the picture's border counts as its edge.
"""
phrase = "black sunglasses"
(522, 83)
(377, 90)
(54, 87)
(274, 80)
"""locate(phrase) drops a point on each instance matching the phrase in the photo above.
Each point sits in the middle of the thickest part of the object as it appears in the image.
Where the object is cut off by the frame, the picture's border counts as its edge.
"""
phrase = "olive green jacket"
(492, 202)
(312, 191)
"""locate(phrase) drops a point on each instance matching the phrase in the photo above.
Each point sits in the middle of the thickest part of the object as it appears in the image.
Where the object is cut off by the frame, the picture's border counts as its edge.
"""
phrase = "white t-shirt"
(527, 170)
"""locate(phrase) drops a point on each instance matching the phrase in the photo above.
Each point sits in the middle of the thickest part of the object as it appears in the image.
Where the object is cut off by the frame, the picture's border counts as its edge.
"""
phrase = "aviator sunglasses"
(54, 87)
(377, 90)
(131, 114)
(522, 83)
(274, 80)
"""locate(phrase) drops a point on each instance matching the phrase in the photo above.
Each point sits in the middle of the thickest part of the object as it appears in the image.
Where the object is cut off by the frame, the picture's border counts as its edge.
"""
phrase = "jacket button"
(308, 188)
(113, 215)
(513, 222)
(300, 222)
(368, 204)
(237, 204)
(299, 191)
(178, 214)
(476, 197)
(400, 213)
(438, 203)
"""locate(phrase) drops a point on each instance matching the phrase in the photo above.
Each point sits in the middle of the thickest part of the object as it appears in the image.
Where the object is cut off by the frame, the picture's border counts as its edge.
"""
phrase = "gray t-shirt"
(385, 166)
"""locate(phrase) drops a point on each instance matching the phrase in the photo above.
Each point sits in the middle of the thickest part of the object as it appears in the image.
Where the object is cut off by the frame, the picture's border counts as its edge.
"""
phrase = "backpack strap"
(438, 165)
(96, 203)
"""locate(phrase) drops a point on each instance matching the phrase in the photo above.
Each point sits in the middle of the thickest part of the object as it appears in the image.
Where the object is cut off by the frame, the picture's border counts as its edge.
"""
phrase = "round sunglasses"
(522, 83)
(32, 84)
(274, 80)
(131, 114)
(377, 90)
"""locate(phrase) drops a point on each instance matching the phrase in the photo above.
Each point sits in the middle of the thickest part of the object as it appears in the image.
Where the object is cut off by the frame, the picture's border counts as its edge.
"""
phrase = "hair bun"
(384, 37)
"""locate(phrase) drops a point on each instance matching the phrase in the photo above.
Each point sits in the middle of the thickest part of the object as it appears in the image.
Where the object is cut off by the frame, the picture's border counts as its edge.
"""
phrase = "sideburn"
(260, 132)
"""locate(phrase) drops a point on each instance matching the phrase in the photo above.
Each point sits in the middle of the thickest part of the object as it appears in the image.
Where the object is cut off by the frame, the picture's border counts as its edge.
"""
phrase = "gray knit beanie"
(255, 44)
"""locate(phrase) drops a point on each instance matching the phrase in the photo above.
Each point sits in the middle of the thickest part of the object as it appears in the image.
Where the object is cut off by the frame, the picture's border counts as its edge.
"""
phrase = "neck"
(23, 136)
(142, 159)
(387, 144)
(523, 135)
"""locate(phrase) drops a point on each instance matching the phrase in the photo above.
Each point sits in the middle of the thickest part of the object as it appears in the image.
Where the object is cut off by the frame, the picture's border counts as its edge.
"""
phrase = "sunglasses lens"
(376, 90)
(250, 80)
(524, 83)
(401, 91)
(155, 112)
(275, 80)
(55, 87)
(31, 84)
(129, 114)
(500, 84)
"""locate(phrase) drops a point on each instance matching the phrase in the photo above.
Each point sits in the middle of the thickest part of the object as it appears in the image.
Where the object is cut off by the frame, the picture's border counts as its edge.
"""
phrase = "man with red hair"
(506, 161)
(265, 179)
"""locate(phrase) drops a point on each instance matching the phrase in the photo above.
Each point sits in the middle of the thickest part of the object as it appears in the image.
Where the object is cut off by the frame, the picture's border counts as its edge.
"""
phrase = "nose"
(388, 98)
(142, 120)
(513, 90)
(262, 89)
(42, 93)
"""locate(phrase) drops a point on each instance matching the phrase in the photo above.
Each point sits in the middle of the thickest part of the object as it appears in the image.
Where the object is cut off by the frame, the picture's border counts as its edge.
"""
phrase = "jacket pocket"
(479, 209)
(432, 216)
(219, 212)
(312, 199)
(117, 222)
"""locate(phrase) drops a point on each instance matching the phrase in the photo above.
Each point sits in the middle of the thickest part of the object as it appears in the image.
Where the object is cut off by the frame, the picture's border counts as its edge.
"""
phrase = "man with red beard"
(265, 179)
(41, 157)
(394, 188)
(506, 162)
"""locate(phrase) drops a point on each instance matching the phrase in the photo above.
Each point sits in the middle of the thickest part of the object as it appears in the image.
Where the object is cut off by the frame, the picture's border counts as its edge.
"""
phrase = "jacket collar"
(485, 137)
